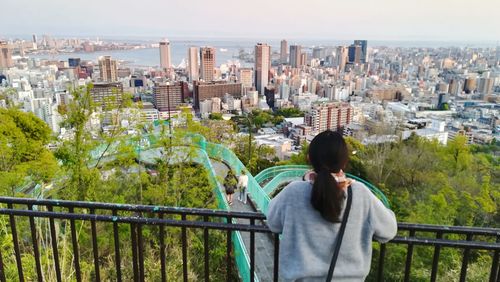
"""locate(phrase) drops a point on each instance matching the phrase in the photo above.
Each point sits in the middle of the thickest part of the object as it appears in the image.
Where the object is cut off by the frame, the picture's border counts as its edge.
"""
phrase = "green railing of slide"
(220, 152)
(241, 256)
(258, 194)
(283, 177)
(271, 172)
(282, 173)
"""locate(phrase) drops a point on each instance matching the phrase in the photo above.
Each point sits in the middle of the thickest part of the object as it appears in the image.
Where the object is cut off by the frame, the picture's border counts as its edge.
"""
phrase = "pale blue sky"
(439, 20)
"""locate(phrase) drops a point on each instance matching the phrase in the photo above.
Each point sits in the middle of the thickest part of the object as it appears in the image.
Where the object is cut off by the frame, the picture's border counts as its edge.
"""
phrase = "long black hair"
(328, 154)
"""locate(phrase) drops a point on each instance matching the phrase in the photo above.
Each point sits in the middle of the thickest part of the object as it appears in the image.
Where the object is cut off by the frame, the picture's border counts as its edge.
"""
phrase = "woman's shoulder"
(359, 189)
(297, 187)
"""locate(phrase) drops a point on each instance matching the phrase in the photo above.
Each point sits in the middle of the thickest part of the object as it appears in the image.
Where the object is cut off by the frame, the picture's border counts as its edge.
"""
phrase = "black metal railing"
(20, 220)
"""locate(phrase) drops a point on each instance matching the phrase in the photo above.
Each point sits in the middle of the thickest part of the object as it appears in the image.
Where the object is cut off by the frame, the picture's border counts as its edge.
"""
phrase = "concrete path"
(264, 243)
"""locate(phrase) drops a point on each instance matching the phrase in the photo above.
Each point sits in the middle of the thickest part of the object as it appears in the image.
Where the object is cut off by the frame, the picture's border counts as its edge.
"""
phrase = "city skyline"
(381, 20)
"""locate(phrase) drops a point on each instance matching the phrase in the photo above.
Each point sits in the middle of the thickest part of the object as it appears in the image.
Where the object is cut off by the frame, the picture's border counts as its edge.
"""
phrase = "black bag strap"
(340, 236)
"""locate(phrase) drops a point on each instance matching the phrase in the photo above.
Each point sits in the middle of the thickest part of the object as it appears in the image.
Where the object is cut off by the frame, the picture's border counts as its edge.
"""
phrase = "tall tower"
(245, 77)
(207, 65)
(295, 56)
(107, 68)
(5, 55)
(193, 68)
(341, 57)
(165, 57)
(355, 54)
(364, 47)
(262, 66)
(283, 54)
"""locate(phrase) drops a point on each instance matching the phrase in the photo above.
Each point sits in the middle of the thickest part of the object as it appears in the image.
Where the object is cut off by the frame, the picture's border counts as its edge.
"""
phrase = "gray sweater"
(307, 241)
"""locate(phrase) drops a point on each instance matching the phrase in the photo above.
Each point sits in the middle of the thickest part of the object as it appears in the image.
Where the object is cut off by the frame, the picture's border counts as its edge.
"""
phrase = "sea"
(226, 53)
(227, 50)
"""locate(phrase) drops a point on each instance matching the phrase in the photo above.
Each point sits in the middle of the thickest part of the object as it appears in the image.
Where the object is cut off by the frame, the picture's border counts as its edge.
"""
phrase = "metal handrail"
(114, 215)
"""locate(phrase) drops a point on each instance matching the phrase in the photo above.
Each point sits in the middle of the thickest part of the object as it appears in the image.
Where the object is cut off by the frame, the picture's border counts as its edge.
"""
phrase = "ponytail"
(327, 197)
(328, 154)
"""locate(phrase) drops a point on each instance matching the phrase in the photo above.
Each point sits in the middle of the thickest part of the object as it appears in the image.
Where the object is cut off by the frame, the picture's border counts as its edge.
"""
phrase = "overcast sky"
(433, 20)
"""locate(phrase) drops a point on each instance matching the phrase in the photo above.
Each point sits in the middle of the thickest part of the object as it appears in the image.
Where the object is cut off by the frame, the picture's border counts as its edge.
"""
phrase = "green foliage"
(301, 157)
(255, 157)
(258, 119)
(434, 184)
(24, 156)
(444, 106)
(215, 116)
(289, 112)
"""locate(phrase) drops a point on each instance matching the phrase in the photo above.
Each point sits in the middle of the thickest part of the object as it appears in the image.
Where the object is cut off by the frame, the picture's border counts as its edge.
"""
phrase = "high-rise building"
(295, 56)
(207, 63)
(341, 57)
(331, 115)
(262, 66)
(486, 85)
(193, 67)
(364, 50)
(207, 90)
(303, 59)
(105, 94)
(454, 88)
(319, 53)
(165, 56)
(470, 85)
(5, 55)
(245, 77)
(355, 54)
(283, 52)
(167, 97)
(107, 68)
(74, 62)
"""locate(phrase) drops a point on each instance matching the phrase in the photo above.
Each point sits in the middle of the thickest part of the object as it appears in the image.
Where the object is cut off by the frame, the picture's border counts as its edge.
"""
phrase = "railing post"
(228, 251)
(380, 274)
(252, 252)
(184, 250)
(140, 257)
(135, 266)
(36, 251)
(163, 260)
(206, 251)
(435, 260)
(495, 267)
(116, 237)
(95, 248)
(55, 251)
(465, 261)
(276, 257)
(409, 256)
(74, 242)
(17, 251)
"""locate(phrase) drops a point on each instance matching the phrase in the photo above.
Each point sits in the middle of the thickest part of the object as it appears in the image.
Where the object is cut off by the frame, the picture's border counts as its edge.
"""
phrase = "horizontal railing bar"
(446, 243)
(129, 207)
(221, 213)
(233, 226)
(139, 220)
(449, 229)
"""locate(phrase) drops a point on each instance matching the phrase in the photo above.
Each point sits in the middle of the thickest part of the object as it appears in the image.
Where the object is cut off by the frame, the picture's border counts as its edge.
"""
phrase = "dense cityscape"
(375, 94)
(226, 141)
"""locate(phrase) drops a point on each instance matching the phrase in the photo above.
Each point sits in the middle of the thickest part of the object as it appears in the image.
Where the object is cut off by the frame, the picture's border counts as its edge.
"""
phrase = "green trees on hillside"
(24, 157)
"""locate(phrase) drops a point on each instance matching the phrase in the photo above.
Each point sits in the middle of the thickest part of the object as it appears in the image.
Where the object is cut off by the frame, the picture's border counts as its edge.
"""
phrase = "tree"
(215, 116)
(24, 157)
(289, 112)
